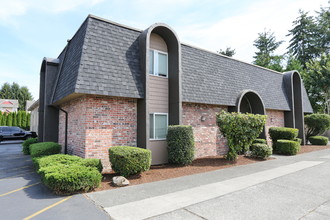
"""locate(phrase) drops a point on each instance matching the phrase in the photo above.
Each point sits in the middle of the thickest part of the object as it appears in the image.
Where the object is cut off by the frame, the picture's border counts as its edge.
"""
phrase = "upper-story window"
(158, 63)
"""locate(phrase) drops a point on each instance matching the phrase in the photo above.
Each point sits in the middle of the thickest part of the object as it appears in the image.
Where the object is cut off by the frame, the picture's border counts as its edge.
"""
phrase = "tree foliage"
(228, 52)
(316, 124)
(317, 83)
(15, 91)
(265, 56)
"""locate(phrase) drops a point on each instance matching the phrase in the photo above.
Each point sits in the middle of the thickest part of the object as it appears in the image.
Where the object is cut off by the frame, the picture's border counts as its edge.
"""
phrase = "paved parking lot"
(22, 196)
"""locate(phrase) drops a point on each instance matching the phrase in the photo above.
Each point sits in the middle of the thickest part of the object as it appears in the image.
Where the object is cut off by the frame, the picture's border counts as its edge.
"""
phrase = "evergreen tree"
(266, 44)
(323, 30)
(24, 121)
(10, 119)
(317, 83)
(14, 91)
(228, 52)
(19, 119)
(303, 38)
(14, 118)
(5, 91)
(293, 64)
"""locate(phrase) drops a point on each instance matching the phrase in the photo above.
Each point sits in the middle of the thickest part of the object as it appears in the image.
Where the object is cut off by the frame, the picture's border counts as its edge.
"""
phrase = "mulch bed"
(199, 165)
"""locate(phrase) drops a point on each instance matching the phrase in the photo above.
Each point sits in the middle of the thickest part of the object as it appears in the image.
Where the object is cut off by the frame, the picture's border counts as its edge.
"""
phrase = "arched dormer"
(160, 58)
(293, 88)
(249, 101)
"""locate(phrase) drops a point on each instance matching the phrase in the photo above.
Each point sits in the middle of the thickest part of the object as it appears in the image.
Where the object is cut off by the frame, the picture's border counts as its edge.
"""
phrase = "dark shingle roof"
(103, 59)
(213, 79)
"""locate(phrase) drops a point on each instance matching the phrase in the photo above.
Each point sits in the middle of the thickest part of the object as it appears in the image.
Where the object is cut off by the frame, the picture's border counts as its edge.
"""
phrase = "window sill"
(161, 139)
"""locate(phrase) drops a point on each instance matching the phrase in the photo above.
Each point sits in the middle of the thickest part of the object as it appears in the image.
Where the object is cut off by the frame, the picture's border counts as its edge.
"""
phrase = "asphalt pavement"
(23, 196)
(288, 187)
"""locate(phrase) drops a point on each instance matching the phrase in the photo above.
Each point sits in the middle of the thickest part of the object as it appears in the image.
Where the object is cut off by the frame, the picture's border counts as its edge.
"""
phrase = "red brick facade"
(208, 139)
(275, 119)
(96, 123)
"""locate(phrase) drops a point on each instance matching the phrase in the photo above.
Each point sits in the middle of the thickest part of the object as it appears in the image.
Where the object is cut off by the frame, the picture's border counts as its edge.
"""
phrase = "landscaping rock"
(120, 181)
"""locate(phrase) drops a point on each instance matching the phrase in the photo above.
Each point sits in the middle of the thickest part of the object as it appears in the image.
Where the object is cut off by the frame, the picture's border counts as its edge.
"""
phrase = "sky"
(33, 29)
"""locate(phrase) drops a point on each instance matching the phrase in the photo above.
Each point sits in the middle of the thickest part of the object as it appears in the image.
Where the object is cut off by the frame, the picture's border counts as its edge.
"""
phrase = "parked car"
(15, 133)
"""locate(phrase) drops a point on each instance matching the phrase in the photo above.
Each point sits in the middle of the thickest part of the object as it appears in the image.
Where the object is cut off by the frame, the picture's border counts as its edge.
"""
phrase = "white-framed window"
(158, 125)
(158, 63)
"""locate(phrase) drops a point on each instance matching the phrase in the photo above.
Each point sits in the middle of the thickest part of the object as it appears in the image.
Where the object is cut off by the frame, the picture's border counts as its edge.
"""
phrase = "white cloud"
(239, 31)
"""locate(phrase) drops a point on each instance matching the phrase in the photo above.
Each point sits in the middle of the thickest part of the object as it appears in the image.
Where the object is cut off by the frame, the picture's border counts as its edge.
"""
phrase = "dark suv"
(15, 133)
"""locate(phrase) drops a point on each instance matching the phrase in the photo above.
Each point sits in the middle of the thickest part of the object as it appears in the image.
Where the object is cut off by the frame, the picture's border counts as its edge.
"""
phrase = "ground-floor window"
(158, 125)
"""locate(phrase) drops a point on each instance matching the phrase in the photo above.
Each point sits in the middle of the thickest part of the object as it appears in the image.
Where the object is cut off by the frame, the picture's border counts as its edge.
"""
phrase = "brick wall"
(208, 139)
(96, 123)
(275, 118)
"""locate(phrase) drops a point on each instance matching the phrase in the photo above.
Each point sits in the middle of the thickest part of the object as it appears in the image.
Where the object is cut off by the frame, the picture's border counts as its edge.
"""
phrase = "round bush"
(283, 133)
(127, 160)
(318, 140)
(180, 144)
(68, 179)
(261, 151)
(44, 148)
(316, 124)
(26, 145)
(260, 141)
(287, 147)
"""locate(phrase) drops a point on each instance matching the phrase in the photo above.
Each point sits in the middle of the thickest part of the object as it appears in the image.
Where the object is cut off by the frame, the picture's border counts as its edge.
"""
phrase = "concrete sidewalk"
(295, 187)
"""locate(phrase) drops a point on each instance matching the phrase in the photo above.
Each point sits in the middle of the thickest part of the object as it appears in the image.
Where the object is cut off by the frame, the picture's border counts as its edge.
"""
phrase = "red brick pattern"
(96, 123)
(275, 118)
(208, 139)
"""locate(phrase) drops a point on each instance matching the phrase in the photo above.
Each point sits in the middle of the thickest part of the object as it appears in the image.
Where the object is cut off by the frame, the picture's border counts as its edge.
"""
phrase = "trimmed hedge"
(261, 151)
(26, 145)
(180, 144)
(44, 149)
(282, 133)
(67, 174)
(316, 124)
(299, 140)
(318, 140)
(259, 141)
(240, 130)
(129, 160)
(287, 147)
(70, 178)
(57, 159)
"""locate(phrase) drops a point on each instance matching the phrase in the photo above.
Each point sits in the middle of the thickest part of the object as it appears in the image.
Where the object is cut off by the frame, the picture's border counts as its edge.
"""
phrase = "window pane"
(160, 126)
(151, 62)
(162, 64)
(151, 121)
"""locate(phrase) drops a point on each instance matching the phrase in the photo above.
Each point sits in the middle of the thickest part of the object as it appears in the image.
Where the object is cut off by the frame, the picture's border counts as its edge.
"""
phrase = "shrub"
(283, 133)
(92, 162)
(67, 179)
(44, 148)
(287, 147)
(316, 124)
(240, 130)
(57, 159)
(261, 151)
(318, 140)
(180, 144)
(129, 160)
(26, 145)
(299, 140)
(260, 141)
